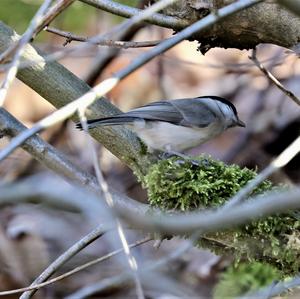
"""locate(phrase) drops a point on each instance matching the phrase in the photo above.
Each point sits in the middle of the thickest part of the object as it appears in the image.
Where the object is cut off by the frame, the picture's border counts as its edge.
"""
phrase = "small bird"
(174, 126)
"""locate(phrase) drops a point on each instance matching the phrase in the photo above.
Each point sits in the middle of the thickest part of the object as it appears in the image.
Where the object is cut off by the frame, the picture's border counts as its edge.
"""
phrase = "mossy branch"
(175, 185)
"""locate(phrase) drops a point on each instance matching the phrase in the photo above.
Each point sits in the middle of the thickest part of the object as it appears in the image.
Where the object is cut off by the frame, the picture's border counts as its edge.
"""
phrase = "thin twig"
(126, 277)
(108, 84)
(109, 43)
(271, 77)
(171, 60)
(109, 200)
(19, 49)
(54, 11)
(75, 270)
(274, 290)
(62, 259)
(106, 56)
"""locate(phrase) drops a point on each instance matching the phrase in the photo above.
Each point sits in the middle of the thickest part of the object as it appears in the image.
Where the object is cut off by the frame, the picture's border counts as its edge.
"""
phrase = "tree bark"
(262, 23)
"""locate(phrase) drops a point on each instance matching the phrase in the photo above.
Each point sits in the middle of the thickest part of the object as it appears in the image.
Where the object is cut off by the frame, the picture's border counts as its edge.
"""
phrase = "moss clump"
(174, 184)
(245, 278)
(181, 185)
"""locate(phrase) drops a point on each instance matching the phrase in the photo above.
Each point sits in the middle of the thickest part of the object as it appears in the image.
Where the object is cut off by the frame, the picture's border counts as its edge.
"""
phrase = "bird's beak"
(240, 123)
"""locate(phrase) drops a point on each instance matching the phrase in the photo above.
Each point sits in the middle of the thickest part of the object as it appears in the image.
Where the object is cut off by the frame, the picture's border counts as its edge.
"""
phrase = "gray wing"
(185, 112)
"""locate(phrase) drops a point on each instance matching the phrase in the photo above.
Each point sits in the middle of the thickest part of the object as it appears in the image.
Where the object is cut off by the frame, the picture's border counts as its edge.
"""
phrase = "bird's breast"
(163, 135)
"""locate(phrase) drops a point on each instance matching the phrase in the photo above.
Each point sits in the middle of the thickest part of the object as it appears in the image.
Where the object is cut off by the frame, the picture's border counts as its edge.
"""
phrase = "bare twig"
(66, 256)
(75, 270)
(56, 194)
(271, 77)
(274, 289)
(109, 200)
(126, 277)
(285, 157)
(109, 43)
(101, 60)
(212, 220)
(128, 12)
(109, 84)
(54, 11)
(19, 48)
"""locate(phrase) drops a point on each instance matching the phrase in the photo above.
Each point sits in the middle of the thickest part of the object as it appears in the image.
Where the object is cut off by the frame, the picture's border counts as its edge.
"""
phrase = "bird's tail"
(108, 121)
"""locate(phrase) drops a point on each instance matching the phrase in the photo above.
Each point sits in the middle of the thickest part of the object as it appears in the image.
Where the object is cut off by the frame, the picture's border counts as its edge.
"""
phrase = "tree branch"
(105, 86)
(128, 12)
(212, 221)
(58, 162)
(59, 86)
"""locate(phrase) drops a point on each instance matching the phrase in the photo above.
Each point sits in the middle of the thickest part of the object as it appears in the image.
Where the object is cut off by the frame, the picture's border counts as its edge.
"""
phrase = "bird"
(175, 126)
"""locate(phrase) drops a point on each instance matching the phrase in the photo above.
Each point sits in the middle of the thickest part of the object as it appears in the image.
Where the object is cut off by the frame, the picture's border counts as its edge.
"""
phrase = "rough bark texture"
(59, 87)
(262, 23)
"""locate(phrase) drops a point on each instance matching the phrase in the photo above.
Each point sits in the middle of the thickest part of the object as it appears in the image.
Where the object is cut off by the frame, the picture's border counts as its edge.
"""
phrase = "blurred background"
(272, 119)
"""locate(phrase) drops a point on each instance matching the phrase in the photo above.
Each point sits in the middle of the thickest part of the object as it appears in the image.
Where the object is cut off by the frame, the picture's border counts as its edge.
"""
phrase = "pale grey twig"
(108, 84)
(62, 259)
(109, 200)
(19, 48)
(271, 77)
(141, 16)
(274, 289)
(215, 220)
(75, 270)
(285, 157)
(125, 277)
(57, 194)
(53, 12)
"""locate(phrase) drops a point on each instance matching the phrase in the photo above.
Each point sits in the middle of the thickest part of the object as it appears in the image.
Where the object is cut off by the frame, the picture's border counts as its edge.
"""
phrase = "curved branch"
(128, 12)
(266, 23)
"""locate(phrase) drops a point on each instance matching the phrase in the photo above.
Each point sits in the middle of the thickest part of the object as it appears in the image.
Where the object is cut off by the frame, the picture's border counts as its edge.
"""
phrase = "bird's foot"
(184, 158)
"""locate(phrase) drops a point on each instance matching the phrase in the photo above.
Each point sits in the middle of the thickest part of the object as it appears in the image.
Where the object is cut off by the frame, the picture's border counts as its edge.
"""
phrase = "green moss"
(237, 281)
(174, 184)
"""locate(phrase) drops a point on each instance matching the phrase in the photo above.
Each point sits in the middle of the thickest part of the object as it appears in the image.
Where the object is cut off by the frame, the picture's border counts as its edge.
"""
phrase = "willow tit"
(176, 125)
